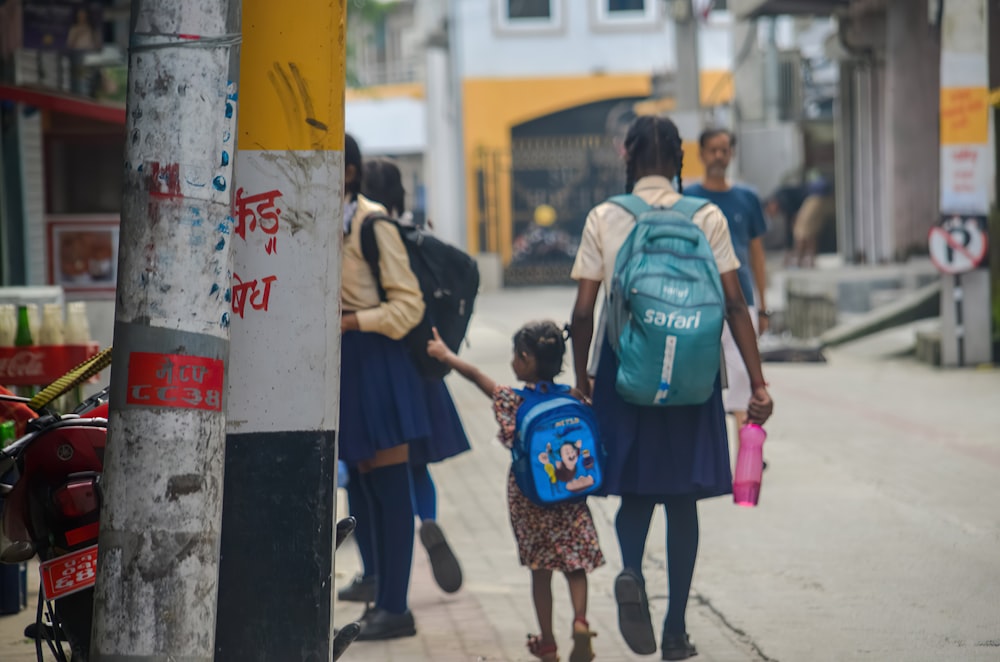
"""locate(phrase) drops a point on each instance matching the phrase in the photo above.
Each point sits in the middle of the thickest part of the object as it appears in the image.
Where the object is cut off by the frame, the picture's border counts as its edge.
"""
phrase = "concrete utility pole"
(444, 127)
(159, 543)
(276, 575)
(968, 166)
(687, 115)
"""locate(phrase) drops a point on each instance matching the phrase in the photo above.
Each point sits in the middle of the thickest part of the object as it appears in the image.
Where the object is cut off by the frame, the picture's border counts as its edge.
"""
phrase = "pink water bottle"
(749, 465)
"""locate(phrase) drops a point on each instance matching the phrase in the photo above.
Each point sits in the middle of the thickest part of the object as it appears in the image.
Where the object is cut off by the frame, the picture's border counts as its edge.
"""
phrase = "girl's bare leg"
(541, 594)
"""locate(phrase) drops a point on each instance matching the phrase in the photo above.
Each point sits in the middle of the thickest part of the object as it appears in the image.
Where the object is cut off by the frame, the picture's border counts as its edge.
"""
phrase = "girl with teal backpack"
(560, 536)
(657, 393)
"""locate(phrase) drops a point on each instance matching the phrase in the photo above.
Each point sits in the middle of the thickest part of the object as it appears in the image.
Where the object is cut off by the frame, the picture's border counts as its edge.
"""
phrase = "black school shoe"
(361, 589)
(633, 613)
(677, 647)
(444, 564)
(379, 625)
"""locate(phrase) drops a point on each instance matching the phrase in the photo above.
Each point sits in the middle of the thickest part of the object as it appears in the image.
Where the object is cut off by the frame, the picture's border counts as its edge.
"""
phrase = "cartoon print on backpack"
(557, 449)
(568, 464)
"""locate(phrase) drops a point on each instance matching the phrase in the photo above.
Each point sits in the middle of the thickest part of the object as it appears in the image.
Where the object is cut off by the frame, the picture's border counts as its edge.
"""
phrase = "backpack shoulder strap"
(533, 396)
(369, 245)
(689, 205)
(631, 203)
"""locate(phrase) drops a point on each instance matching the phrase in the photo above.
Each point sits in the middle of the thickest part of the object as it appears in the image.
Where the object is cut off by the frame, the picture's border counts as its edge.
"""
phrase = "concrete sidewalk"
(13, 646)
(876, 538)
(490, 617)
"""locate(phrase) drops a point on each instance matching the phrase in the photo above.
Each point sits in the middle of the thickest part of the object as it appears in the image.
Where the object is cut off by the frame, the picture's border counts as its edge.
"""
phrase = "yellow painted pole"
(275, 580)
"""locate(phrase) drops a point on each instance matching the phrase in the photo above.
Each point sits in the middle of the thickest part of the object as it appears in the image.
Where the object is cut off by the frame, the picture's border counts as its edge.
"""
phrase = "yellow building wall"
(492, 106)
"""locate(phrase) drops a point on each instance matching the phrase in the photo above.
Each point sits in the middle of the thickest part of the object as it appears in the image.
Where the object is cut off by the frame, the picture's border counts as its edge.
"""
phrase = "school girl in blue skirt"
(382, 183)
(384, 403)
(672, 456)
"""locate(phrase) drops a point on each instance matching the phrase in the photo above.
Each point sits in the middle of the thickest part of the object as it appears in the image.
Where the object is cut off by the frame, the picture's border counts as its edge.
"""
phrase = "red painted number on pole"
(69, 574)
(175, 380)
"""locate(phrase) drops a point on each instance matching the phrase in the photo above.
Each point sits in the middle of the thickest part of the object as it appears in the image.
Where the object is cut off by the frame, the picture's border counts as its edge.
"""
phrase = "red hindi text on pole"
(175, 380)
(258, 211)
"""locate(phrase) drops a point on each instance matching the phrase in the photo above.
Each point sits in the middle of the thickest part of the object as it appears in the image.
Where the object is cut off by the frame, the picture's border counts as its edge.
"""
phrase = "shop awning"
(60, 102)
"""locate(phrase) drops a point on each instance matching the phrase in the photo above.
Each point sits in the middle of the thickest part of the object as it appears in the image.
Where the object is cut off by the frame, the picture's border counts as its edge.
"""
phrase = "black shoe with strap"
(677, 647)
(379, 625)
(361, 589)
(444, 564)
(633, 613)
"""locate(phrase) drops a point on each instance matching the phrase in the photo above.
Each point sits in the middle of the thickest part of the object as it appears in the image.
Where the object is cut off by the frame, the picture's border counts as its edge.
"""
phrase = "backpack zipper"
(635, 292)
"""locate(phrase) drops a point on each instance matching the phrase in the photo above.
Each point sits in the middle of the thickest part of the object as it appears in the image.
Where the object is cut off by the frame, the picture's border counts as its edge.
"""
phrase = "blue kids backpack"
(665, 307)
(557, 453)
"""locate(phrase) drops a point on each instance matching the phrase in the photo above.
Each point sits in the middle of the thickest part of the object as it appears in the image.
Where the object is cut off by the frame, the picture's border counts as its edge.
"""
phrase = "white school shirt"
(608, 226)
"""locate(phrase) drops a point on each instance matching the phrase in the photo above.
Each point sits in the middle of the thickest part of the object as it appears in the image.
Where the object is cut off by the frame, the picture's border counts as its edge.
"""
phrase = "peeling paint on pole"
(156, 590)
(281, 453)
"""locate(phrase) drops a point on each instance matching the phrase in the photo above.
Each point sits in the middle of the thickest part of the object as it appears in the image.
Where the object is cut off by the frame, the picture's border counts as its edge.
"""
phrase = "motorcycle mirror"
(344, 638)
(17, 552)
(345, 527)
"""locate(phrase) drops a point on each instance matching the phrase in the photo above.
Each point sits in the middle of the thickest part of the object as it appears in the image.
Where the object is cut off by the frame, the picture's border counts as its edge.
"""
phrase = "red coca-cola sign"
(24, 363)
(41, 364)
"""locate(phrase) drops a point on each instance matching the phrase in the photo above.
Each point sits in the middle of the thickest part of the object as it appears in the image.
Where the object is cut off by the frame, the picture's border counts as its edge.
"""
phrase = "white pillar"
(442, 163)
(967, 173)
(687, 115)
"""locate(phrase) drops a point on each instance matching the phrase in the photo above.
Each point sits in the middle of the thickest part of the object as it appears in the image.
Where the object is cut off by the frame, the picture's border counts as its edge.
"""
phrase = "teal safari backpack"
(665, 307)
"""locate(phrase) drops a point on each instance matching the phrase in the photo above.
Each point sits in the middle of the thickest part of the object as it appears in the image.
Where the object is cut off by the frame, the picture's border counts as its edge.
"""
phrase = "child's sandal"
(583, 649)
(546, 652)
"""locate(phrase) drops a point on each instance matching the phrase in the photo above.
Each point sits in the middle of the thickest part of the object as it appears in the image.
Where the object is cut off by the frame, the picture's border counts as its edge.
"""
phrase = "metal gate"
(534, 200)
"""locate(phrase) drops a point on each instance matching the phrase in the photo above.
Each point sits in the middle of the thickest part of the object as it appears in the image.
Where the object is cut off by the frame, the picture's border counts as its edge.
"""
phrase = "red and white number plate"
(69, 574)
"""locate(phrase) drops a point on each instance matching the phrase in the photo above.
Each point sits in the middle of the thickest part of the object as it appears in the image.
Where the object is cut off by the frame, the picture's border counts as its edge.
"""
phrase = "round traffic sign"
(957, 245)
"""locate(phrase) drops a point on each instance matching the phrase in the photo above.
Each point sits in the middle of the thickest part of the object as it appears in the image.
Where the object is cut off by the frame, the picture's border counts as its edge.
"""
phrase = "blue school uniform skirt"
(660, 451)
(447, 437)
(384, 402)
(381, 402)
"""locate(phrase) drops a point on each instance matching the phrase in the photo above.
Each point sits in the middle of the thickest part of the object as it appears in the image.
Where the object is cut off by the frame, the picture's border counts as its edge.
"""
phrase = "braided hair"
(546, 342)
(383, 183)
(352, 156)
(653, 145)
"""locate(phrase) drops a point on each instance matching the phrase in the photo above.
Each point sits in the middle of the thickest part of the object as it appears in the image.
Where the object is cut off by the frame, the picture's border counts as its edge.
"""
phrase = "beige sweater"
(359, 291)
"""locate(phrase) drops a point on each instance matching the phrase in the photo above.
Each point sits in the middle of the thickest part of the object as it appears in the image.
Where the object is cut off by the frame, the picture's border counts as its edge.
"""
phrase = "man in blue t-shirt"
(742, 208)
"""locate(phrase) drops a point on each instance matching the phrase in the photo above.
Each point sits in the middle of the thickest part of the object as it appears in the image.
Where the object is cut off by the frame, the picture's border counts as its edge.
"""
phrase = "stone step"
(929, 346)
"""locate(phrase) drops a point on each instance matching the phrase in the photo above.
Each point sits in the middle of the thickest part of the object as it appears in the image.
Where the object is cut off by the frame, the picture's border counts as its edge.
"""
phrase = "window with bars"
(625, 13)
(540, 16)
(614, 6)
(529, 9)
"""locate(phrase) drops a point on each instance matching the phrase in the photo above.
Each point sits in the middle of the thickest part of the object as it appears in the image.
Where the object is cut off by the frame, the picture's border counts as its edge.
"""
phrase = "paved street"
(877, 537)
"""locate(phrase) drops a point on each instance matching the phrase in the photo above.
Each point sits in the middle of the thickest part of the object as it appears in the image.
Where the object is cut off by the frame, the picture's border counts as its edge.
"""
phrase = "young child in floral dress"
(555, 538)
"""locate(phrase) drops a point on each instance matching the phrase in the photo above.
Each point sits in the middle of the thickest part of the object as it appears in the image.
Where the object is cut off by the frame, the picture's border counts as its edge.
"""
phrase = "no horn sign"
(958, 245)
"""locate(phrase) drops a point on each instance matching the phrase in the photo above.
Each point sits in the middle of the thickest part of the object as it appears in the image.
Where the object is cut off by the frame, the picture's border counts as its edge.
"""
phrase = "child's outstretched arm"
(438, 350)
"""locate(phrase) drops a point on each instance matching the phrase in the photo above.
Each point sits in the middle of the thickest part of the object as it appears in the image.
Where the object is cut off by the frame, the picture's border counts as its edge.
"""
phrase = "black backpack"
(449, 281)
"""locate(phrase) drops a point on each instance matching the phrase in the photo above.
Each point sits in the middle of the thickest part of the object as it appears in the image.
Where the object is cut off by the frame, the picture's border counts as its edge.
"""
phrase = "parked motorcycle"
(50, 485)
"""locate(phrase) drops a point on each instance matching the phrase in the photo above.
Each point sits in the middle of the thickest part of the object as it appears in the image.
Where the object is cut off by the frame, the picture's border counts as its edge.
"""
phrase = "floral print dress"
(560, 537)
